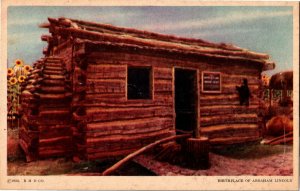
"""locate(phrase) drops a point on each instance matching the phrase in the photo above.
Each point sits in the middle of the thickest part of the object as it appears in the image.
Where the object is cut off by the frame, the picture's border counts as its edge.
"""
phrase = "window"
(138, 83)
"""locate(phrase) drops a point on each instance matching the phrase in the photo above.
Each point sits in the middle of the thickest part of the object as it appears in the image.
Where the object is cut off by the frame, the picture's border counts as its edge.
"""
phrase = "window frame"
(151, 92)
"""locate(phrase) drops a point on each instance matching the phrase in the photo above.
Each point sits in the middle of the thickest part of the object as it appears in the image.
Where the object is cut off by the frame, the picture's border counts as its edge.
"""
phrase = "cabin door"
(185, 100)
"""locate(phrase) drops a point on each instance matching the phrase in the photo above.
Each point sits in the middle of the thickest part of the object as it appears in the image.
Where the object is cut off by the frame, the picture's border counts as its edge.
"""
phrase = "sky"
(262, 29)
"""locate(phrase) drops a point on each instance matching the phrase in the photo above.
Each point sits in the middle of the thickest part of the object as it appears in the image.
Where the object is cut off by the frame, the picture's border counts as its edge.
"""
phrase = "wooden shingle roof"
(104, 34)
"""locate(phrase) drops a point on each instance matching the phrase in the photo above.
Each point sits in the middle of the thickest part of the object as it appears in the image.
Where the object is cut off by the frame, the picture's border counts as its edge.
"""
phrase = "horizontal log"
(97, 99)
(162, 73)
(56, 147)
(233, 86)
(116, 146)
(55, 111)
(49, 120)
(238, 78)
(117, 152)
(228, 97)
(50, 127)
(53, 89)
(232, 133)
(124, 138)
(103, 96)
(163, 95)
(119, 76)
(231, 89)
(51, 106)
(121, 103)
(56, 140)
(105, 89)
(163, 81)
(129, 124)
(55, 132)
(98, 114)
(223, 110)
(232, 69)
(53, 59)
(34, 81)
(53, 68)
(228, 119)
(223, 99)
(35, 75)
(54, 153)
(102, 82)
(109, 86)
(163, 87)
(54, 77)
(233, 140)
(50, 72)
(54, 64)
(129, 131)
(53, 96)
(105, 69)
(51, 82)
(226, 102)
(217, 128)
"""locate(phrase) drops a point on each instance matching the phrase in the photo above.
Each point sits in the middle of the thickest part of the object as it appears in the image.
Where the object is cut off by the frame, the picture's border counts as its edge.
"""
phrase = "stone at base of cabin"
(197, 153)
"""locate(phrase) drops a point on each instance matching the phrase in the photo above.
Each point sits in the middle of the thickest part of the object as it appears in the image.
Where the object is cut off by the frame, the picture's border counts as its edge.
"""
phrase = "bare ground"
(274, 165)
(254, 160)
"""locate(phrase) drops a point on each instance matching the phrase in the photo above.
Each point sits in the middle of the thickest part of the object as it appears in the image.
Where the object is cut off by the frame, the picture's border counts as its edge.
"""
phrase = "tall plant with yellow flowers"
(15, 77)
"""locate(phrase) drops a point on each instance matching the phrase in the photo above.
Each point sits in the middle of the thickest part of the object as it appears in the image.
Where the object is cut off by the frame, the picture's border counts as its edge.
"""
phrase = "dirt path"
(274, 165)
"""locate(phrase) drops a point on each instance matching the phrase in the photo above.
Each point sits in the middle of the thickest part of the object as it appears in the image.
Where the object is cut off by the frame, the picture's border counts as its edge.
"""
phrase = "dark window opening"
(138, 83)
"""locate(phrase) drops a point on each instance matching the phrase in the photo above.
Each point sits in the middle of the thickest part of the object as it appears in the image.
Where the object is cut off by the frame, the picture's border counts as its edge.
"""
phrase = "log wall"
(96, 120)
(46, 120)
(108, 123)
(221, 117)
(65, 51)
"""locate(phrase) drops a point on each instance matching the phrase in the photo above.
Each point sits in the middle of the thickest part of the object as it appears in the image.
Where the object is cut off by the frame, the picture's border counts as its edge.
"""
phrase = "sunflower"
(10, 72)
(21, 78)
(13, 81)
(19, 62)
(27, 68)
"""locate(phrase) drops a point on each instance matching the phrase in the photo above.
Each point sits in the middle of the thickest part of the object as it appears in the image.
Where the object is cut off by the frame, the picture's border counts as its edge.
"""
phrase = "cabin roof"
(99, 34)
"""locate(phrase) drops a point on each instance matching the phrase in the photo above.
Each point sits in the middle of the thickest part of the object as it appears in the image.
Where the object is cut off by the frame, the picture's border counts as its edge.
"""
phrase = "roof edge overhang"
(88, 47)
(109, 35)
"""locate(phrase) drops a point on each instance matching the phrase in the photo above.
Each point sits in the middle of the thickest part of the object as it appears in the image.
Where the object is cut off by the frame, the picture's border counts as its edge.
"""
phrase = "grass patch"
(252, 151)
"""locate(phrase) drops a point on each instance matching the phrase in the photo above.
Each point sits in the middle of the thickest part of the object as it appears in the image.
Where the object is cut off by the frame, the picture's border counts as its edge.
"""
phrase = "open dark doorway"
(185, 100)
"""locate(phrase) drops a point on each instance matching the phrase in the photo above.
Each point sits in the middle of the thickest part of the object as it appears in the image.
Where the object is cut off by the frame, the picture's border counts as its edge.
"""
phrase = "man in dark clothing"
(244, 92)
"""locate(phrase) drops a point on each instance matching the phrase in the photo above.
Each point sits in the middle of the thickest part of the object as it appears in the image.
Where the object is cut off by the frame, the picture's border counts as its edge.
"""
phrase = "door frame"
(197, 101)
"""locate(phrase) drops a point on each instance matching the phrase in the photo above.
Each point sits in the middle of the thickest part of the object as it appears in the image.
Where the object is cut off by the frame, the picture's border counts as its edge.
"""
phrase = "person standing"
(244, 93)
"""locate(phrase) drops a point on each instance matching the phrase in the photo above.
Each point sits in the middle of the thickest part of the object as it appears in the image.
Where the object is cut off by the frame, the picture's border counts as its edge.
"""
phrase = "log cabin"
(103, 91)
